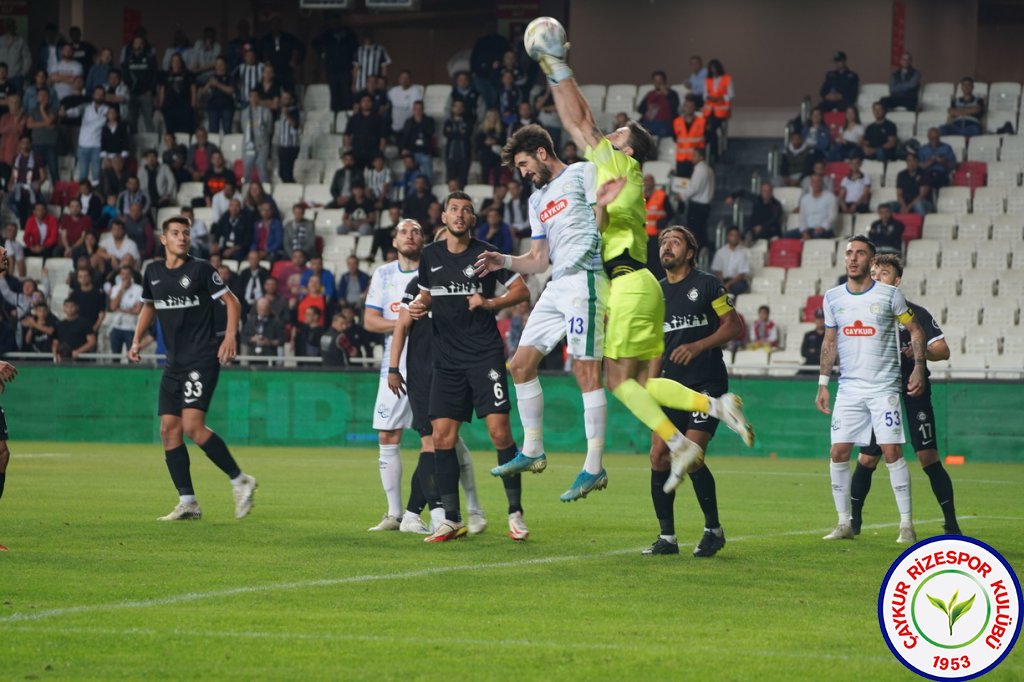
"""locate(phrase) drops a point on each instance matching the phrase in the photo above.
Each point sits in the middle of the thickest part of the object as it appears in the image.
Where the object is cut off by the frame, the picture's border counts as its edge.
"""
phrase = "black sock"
(859, 487)
(447, 467)
(416, 499)
(3, 479)
(513, 484)
(427, 471)
(942, 486)
(704, 487)
(217, 450)
(178, 466)
(664, 503)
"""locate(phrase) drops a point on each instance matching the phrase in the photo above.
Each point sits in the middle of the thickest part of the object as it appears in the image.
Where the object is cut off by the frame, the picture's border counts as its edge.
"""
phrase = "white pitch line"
(404, 575)
(39, 455)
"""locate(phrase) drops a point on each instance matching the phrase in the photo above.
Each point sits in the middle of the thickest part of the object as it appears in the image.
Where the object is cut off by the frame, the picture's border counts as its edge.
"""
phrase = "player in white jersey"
(564, 233)
(862, 320)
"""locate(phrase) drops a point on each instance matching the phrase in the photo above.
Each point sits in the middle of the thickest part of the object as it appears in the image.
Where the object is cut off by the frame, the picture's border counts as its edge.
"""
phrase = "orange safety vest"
(715, 103)
(688, 139)
(655, 211)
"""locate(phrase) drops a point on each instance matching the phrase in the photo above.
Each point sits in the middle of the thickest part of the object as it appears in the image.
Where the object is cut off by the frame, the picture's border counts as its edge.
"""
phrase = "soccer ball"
(544, 35)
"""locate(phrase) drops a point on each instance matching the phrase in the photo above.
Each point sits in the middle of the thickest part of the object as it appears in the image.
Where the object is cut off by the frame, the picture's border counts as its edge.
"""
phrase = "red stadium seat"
(837, 170)
(971, 174)
(785, 253)
(813, 304)
(835, 120)
(912, 223)
(63, 192)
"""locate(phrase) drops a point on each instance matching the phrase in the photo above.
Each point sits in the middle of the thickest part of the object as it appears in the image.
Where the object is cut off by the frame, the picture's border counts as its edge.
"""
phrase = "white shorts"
(854, 417)
(573, 305)
(391, 412)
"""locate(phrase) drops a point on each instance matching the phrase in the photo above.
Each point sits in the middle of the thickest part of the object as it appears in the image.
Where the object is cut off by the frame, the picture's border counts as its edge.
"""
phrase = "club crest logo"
(194, 376)
(876, 309)
(922, 417)
(468, 271)
(493, 375)
(216, 279)
(949, 608)
(692, 294)
(185, 281)
(383, 410)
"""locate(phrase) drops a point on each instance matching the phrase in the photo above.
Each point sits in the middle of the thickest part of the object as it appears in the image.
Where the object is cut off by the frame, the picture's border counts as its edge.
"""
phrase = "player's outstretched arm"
(396, 382)
(918, 380)
(536, 261)
(229, 346)
(574, 111)
(829, 350)
(141, 328)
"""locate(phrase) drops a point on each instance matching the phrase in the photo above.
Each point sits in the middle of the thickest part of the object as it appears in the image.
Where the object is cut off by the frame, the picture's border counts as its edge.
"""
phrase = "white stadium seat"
(989, 200)
(954, 200)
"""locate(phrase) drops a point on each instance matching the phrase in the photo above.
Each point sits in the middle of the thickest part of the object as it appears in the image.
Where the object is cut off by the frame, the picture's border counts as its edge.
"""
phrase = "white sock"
(237, 481)
(187, 499)
(840, 474)
(391, 477)
(437, 516)
(530, 400)
(669, 538)
(466, 476)
(595, 414)
(899, 479)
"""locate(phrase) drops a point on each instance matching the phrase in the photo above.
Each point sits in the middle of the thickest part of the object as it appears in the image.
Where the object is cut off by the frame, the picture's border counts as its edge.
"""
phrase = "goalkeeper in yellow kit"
(636, 307)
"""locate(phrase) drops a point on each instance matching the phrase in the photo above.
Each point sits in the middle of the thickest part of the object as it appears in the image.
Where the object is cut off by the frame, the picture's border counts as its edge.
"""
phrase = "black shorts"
(419, 401)
(455, 393)
(919, 416)
(188, 388)
(3, 425)
(697, 421)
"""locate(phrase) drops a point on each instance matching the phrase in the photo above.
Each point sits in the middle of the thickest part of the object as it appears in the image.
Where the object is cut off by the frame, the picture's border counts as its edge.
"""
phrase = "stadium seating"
(936, 97)
(785, 253)
(954, 200)
(912, 225)
(973, 227)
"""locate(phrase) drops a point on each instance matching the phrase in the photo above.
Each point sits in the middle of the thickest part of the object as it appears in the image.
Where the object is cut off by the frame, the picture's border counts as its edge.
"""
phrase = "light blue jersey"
(562, 212)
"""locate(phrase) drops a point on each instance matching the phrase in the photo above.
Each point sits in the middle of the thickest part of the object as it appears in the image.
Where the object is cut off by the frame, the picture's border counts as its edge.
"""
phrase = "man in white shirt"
(93, 117)
(818, 211)
(698, 194)
(64, 72)
(116, 244)
(731, 263)
(222, 199)
(125, 305)
(402, 97)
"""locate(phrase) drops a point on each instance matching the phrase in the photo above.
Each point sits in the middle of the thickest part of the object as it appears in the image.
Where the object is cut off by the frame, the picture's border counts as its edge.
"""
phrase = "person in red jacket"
(41, 232)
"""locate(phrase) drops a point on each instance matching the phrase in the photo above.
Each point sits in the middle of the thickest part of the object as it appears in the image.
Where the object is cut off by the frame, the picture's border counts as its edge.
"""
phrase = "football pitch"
(95, 588)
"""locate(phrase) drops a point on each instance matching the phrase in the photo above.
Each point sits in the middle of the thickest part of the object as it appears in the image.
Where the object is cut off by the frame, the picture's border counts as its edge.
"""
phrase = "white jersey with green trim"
(867, 337)
(562, 212)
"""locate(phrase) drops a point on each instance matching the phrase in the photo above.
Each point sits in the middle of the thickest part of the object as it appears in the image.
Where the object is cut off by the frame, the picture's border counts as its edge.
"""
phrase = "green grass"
(95, 588)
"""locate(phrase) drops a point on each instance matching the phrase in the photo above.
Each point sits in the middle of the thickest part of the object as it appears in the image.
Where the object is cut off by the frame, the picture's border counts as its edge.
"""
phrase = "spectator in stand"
(91, 301)
(904, 85)
(403, 97)
(113, 180)
(181, 46)
(335, 348)
(6, 88)
(199, 154)
(840, 87)
(93, 117)
(171, 146)
(697, 80)
(217, 177)
(268, 235)
(115, 245)
(510, 97)
(139, 228)
(763, 332)
(299, 233)
(698, 195)
(886, 233)
(39, 83)
(731, 263)
(337, 46)
(15, 250)
(26, 178)
(140, 74)
(818, 169)
(73, 227)
(718, 96)
(360, 215)
(256, 196)
(313, 296)
(377, 179)
(132, 194)
(90, 253)
(689, 133)
(74, 335)
(796, 159)
(464, 91)
(659, 106)
(371, 60)
(855, 189)
(289, 277)
(457, 133)
(219, 90)
(248, 76)
(766, 217)
(42, 124)
(938, 160)
(269, 90)
(547, 116)
(82, 51)
(810, 347)
(233, 232)
(418, 201)
(817, 135)
(496, 232)
(204, 55)
(156, 182)
(353, 284)
(344, 178)
(488, 142)
(851, 137)
(263, 334)
(526, 117)
(41, 234)
(258, 129)
(125, 306)
(879, 141)
(283, 51)
(913, 189)
(219, 202)
(306, 334)
(177, 97)
(251, 281)
(114, 138)
(324, 277)
(39, 329)
(517, 212)
(64, 72)
(14, 52)
(965, 111)
(92, 203)
(818, 211)
(433, 222)
(365, 134)
(288, 140)
(417, 137)
(199, 235)
(13, 125)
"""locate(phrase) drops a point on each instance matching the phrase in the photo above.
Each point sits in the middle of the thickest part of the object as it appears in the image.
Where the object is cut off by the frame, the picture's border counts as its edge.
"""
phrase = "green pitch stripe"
(591, 313)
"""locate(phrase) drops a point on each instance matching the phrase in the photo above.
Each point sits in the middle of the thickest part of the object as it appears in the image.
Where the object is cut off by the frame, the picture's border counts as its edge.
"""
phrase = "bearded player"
(636, 307)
